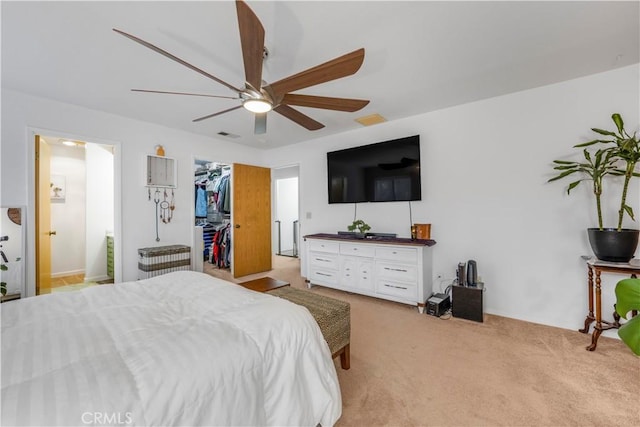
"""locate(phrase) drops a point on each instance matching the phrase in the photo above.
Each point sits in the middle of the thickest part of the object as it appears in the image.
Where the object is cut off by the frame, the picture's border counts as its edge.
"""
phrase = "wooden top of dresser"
(373, 239)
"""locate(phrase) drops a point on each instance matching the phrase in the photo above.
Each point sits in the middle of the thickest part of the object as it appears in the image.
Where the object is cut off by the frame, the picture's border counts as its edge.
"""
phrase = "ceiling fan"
(259, 97)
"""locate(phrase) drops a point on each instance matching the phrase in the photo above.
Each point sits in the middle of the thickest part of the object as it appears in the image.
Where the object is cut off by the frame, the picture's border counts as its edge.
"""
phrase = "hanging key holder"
(167, 207)
(156, 200)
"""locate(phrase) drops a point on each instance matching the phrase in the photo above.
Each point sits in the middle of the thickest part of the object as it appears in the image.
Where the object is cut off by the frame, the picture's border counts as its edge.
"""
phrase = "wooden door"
(251, 212)
(43, 217)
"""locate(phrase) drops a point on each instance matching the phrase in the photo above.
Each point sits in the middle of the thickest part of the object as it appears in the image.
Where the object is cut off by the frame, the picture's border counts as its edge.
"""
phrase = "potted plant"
(361, 226)
(628, 299)
(594, 169)
(608, 244)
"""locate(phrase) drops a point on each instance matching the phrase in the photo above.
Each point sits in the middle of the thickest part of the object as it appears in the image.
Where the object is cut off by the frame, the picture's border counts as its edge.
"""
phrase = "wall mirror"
(12, 249)
(161, 172)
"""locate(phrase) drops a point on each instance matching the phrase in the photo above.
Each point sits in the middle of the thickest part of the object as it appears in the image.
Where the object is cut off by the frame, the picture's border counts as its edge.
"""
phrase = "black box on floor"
(438, 304)
(467, 302)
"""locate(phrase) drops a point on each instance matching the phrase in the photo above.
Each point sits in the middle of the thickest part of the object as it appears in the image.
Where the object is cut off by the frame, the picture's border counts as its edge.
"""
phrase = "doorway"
(247, 216)
(75, 213)
(286, 213)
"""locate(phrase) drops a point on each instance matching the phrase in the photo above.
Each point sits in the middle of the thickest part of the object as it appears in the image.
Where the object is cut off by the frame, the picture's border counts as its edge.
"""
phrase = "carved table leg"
(597, 330)
(616, 317)
(594, 339)
(590, 318)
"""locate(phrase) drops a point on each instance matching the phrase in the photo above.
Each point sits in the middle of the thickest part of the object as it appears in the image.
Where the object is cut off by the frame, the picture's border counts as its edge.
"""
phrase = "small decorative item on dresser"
(159, 150)
(423, 231)
(361, 226)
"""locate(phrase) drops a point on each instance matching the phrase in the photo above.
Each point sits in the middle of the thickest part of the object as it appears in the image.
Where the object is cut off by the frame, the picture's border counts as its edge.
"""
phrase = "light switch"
(308, 215)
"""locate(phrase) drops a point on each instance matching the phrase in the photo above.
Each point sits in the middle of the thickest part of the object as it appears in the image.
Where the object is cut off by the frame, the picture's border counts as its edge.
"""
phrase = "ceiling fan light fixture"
(257, 105)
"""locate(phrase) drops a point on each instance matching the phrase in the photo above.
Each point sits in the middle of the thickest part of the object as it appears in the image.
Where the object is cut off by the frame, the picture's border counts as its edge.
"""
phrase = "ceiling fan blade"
(261, 124)
(327, 103)
(175, 58)
(216, 114)
(342, 66)
(252, 39)
(296, 116)
(183, 93)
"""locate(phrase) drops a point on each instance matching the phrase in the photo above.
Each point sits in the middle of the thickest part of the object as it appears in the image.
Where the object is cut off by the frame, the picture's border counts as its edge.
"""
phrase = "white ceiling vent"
(228, 135)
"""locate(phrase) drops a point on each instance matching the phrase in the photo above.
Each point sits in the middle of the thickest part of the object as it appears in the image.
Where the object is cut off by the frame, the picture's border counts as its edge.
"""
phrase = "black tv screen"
(388, 171)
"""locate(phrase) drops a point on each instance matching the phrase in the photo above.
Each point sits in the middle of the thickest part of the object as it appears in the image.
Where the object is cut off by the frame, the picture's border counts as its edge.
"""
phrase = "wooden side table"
(264, 284)
(595, 268)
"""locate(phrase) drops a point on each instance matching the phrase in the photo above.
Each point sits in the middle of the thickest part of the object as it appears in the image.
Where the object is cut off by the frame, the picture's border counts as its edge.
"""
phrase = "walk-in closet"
(212, 196)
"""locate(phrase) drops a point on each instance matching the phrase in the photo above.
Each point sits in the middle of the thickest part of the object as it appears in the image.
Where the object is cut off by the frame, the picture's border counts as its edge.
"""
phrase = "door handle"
(237, 225)
(51, 233)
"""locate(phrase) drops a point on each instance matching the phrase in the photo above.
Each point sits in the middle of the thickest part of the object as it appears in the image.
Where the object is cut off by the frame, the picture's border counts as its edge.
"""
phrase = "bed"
(184, 349)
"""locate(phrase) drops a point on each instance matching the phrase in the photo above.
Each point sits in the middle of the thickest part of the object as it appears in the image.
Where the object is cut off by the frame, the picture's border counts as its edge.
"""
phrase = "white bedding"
(179, 349)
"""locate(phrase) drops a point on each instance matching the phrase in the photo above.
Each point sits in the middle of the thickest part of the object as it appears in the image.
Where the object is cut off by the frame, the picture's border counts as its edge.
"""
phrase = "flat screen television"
(387, 171)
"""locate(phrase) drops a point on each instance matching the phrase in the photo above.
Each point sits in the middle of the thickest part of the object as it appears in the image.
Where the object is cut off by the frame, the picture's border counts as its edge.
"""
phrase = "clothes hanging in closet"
(201, 201)
(208, 231)
(221, 247)
(223, 201)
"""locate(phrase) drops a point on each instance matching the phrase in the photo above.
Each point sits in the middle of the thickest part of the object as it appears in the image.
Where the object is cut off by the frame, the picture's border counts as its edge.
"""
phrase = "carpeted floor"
(410, 369)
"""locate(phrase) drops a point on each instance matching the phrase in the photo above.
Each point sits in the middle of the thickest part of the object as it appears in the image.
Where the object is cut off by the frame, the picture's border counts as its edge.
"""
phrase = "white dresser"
(393, 269)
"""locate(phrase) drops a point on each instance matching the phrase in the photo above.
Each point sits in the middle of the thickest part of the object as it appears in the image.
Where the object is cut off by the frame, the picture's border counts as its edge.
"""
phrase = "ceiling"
(420, 56)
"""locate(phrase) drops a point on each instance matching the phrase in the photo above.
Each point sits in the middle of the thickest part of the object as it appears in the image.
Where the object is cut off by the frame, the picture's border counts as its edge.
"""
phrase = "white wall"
(99, 209)
(68, 215)
(484, 169)
(22, 113)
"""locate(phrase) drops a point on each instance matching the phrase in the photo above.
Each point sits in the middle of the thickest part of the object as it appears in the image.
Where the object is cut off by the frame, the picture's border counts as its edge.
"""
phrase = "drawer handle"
(395, 287)
(323, 259)
(322, 274)
(395, 269)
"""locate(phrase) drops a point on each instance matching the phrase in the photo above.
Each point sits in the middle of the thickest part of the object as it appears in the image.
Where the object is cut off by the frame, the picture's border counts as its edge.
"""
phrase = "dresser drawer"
(357, 250)
(396, 289)
(324, 246)
(402, 272)
(322, 276)
(356, 272)
(398, 254)
(323, 260)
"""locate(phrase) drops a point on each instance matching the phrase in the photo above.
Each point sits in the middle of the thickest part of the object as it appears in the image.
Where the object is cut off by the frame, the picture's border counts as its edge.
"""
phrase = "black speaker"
(462, 276)
(472, 273)
(467, 302)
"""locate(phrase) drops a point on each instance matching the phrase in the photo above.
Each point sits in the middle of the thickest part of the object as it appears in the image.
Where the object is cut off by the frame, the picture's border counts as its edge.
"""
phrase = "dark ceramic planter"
(612, 245)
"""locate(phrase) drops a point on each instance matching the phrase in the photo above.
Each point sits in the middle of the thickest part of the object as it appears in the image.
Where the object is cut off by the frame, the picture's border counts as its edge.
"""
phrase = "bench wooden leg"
(345, 357)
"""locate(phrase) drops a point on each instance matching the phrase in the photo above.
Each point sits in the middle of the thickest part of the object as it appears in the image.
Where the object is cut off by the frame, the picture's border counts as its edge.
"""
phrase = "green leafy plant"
(626, 148)
(628, 299)
(594, 169)
(360, 225)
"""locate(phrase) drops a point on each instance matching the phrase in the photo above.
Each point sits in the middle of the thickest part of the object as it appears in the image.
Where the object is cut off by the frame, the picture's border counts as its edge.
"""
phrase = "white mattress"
(179, 349)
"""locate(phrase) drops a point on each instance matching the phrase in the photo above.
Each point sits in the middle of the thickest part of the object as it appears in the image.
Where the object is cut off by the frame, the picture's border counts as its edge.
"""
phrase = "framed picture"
(58, 188)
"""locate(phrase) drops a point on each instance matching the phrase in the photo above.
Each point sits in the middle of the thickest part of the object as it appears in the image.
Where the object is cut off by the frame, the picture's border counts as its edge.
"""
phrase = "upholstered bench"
(333, 317)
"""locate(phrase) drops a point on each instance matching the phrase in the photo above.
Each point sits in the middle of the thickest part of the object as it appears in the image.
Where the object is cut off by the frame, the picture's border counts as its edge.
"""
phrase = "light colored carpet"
(410, 369)
(76, 287)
